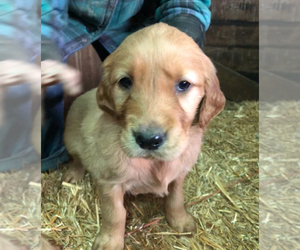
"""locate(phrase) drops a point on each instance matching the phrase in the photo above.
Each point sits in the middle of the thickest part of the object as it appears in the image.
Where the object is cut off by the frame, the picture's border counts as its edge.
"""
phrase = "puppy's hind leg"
(75, 172)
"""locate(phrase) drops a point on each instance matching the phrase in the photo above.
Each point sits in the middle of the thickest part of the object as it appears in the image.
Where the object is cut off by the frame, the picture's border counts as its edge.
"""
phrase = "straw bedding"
(221, 193)
(280, 176)
(20, 209)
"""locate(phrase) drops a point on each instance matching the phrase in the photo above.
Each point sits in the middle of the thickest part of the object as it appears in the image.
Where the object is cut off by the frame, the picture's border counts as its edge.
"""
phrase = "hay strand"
(227, 218)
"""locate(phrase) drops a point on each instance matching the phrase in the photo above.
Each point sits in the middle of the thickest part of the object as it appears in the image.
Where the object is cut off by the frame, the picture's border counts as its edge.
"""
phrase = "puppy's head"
(154, 84)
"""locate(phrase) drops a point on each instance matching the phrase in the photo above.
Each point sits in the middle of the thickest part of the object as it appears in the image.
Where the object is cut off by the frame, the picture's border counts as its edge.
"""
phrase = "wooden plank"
(280, 59)
(254, 76)
(280, 10)
(294, 77)
(88, 62)
(274, 88)
(73, 60)
(270, 35)
(235, 86)
(235, 10)
(237, 59)
(232, 35)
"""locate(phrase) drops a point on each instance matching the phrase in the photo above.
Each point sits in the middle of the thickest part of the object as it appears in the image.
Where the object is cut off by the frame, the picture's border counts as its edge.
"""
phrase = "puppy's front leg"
(176, 214)
(111, 236)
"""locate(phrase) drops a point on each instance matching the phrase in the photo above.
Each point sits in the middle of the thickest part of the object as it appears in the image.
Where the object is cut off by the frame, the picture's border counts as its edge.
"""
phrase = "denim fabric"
(197, 8)
(19, 22)
(15, 144)
(53, 152)
(54, 18)
(109, 20)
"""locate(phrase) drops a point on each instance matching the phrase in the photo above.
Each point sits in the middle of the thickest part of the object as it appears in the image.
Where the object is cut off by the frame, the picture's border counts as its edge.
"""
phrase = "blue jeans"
(15, 131)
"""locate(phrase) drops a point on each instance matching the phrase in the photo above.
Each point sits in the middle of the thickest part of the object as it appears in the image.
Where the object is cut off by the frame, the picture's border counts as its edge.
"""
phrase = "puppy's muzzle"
(150, 138)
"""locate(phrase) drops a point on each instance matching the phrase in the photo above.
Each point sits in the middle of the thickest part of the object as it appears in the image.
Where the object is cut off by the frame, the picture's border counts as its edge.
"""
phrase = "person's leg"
(17, 59)
(53, 151)
(53, 72)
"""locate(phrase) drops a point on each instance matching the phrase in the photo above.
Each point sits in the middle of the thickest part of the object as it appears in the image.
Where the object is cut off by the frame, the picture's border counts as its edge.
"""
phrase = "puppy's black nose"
(150, 140)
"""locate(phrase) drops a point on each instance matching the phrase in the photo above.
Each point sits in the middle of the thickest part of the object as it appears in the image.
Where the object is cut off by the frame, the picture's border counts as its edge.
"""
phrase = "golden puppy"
(141, 130)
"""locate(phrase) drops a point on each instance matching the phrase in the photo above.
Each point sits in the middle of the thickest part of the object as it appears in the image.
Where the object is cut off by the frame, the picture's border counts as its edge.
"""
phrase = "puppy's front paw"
(105, 241)
(182, 223)
(73, 174)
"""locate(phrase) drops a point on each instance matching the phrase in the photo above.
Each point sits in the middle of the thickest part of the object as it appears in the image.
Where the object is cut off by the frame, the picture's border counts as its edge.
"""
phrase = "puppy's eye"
(183, 86)
(125, 83)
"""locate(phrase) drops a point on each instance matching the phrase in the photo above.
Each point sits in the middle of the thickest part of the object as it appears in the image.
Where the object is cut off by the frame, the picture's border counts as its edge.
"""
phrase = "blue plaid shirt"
(107, 20)
(19, 23)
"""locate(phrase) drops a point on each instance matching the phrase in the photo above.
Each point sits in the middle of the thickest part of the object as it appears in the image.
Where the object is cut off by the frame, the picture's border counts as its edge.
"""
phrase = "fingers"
(49, 72)
(55, 72)
(13, 72)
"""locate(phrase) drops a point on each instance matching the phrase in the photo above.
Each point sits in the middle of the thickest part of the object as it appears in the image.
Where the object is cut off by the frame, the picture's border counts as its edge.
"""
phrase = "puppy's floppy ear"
(105, 93)
(214, 100)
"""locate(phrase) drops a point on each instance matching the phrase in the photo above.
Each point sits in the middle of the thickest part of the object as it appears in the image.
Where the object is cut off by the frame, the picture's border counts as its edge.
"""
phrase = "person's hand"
(14, 72)
(56, 72)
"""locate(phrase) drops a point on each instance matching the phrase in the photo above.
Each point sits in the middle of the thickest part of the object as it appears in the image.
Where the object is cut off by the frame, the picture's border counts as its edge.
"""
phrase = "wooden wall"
(279, 36)
(233, 37)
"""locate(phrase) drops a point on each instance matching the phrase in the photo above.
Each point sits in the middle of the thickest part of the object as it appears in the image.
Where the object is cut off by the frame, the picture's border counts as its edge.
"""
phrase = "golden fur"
(99, 125)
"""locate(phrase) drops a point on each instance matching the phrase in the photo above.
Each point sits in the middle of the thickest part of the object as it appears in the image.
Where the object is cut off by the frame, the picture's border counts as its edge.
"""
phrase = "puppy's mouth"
(163, 153)
(150, 155)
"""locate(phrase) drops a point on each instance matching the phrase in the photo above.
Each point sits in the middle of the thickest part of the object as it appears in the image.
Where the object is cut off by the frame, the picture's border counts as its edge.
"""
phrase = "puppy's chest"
(150, 177)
